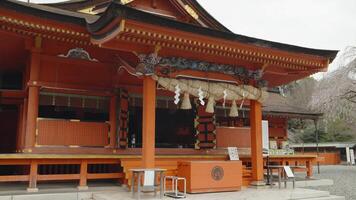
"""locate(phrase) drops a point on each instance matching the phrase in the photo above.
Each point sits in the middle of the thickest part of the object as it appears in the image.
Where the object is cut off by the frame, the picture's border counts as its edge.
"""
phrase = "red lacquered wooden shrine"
(81, 96)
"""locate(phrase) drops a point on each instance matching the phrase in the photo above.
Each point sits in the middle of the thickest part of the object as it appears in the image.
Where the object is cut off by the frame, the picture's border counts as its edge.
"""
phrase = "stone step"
(331, 197)
(308, 194)
(307, 183)
(51, 196)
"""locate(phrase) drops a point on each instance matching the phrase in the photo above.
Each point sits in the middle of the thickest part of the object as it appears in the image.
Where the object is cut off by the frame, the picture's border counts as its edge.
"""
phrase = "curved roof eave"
(48, 12)
(116, 10)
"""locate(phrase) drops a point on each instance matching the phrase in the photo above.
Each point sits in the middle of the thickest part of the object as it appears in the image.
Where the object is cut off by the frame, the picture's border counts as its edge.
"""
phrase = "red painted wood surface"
(233, 137)
(65, 132)
(75, 72)
(325, 158)
(124, 117)
(277, 127)
(211, 176)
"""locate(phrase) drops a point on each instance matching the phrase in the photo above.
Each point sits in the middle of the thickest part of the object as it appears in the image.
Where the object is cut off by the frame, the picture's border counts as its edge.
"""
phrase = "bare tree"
(335, 94)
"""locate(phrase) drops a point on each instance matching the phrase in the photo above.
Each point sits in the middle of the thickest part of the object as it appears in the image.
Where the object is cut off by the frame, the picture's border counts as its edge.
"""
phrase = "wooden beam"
(113, 125)
(148, 122)
(54, 177)
(105, 175)
(32, 186)
(33, 98)
(83, 175)
(256, 142)
(19, 128)
(14, 178)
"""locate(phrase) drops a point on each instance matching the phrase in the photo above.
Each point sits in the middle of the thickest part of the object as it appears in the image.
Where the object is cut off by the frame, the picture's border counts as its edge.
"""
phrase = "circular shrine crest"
(217, 173)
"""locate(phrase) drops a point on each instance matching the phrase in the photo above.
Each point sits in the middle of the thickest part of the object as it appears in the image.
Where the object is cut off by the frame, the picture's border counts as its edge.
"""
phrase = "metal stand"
(174, 192)
(268, 172)
(317, 142)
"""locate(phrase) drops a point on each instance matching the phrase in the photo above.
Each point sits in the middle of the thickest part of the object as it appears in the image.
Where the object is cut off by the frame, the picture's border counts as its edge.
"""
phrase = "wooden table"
(138, 173)
(295, 160)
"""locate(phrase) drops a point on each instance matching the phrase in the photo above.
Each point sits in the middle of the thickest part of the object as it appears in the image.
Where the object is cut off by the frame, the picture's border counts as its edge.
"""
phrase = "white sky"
(323, 24)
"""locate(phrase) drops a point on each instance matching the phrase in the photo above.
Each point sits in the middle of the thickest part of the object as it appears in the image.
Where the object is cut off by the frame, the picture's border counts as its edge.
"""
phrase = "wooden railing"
(60, 132)
(83, 173)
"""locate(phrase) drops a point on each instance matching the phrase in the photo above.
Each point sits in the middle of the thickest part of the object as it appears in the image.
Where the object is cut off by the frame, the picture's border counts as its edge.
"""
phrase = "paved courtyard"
(344, 180)
(245, 194)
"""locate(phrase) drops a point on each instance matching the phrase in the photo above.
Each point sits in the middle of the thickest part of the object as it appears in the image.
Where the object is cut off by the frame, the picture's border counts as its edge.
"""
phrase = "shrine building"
(92, 89)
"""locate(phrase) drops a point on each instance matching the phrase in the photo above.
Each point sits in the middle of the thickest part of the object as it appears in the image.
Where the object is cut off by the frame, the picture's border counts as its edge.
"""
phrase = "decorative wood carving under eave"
(78, 53)
(149, 62)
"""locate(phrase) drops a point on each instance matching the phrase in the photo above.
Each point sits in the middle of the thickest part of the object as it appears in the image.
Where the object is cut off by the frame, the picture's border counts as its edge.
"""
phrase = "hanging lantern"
(233, 111)
(186, 102)
(210, 105)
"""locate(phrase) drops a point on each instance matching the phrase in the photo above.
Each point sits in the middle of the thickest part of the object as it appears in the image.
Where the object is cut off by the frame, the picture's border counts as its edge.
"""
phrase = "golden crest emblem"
(217, 173)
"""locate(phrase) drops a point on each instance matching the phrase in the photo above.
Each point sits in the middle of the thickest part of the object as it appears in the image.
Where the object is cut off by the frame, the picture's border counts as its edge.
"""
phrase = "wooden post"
(32, 107)
(113, 114)
(24, 119)
(256, 143)
(149, 120)
(309, 166)
(19, 128)
(83, 175)
(32, 186)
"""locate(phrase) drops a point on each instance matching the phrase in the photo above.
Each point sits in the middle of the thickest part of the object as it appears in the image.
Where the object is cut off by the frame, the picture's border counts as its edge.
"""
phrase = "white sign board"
(149, 178)
(233, 153)
(348, 155)
(265, 137)
(352, 157)
(288, 171)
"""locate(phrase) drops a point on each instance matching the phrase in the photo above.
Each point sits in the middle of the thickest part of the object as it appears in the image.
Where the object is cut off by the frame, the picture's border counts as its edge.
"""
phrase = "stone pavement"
(245, 194)
(120, 193)
(111, 191)
(344, 178)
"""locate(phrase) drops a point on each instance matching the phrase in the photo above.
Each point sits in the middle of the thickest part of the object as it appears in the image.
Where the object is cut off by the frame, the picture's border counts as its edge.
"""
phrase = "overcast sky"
(322, 24)
(325, 24)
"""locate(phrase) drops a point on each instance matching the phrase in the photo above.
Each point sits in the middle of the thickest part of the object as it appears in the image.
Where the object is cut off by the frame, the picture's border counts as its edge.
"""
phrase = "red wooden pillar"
(309, 166)
(32, 107)
(83, 175)
(24, 119)
(149, 120)
(113, 113)
(19, 128)
(32, 186)
(256, 143)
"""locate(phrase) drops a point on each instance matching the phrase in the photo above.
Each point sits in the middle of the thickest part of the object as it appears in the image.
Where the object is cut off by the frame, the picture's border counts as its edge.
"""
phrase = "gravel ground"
(344, 180)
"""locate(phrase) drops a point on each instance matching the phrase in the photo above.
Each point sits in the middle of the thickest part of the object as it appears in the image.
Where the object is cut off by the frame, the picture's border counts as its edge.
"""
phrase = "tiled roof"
(278, 104)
